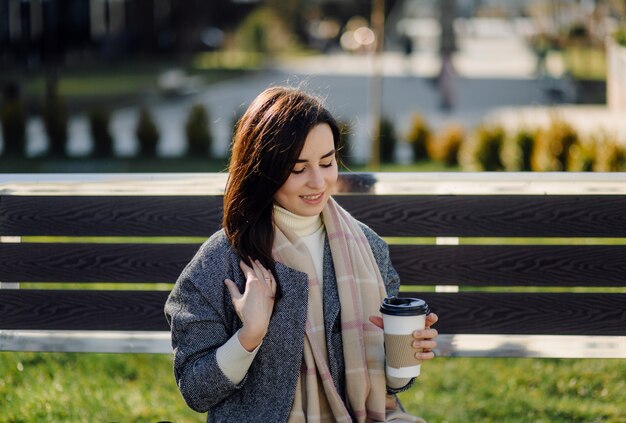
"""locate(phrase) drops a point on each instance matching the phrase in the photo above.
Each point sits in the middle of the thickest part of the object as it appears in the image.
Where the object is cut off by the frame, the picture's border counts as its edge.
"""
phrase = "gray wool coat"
(202, 318)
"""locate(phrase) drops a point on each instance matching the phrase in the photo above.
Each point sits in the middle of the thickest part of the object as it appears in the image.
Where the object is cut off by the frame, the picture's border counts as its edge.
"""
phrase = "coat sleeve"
(200, 323)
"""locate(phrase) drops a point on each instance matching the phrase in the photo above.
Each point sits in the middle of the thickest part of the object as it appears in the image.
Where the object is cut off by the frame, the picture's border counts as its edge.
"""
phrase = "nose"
(316, 179)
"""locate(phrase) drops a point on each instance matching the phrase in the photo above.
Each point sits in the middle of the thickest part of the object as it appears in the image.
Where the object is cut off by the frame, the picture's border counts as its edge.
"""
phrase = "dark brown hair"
(267, 142)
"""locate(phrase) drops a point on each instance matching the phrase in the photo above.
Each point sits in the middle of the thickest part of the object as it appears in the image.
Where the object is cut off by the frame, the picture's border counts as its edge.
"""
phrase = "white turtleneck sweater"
(232, 358)
(311, 231)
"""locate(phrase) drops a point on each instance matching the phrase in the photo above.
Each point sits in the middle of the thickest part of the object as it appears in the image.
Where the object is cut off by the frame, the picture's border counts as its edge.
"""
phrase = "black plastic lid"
(404, 306)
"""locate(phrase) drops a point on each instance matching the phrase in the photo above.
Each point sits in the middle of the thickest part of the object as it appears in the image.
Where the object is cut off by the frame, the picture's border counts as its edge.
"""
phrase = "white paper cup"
(402, 316)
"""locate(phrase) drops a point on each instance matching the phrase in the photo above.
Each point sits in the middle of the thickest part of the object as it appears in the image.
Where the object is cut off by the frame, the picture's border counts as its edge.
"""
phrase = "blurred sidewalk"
(478, 57)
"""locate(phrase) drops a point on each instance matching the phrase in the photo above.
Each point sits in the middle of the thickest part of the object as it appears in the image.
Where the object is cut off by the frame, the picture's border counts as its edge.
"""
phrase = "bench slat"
(82, 310)
(49, 262)
(487, 215)
(511, 265)
(110, 216)
(474, 265)
(421, 215)
(473, 313)
(529, 313)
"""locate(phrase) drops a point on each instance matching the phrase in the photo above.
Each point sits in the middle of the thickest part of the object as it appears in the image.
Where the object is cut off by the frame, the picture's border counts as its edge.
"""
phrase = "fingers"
(425, 345)
(424, 355)
(425, 334)
(425, 339)
(431, 319)
(264, 275)
(424, 349)
(261, 272)
(256, 271)
(247, 270)
(377, 321)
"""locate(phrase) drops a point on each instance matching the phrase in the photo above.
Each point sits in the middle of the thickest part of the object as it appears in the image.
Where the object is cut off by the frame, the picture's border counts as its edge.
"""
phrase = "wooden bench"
(515, 264)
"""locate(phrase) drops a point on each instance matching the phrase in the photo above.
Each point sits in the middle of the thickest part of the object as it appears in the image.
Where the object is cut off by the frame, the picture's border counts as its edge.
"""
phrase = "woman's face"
(313, 178)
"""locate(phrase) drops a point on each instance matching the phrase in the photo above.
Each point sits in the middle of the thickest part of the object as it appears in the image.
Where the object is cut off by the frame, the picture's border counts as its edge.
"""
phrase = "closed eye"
(324, 165)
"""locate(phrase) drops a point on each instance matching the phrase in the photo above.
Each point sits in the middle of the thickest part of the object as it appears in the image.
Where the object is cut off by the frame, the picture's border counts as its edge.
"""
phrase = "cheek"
(332, 175)
(289, 187)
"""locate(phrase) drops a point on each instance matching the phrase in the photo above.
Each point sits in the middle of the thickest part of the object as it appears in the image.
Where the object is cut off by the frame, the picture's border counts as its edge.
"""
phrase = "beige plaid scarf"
(361, 290)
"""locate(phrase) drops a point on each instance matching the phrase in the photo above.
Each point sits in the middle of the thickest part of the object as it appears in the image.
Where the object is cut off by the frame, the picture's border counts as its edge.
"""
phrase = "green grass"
(95, 85)
(108, 85)
(116, 239)
(55, 387)
(115, 80)
(509, 241)
(70, 387)
(520, 390)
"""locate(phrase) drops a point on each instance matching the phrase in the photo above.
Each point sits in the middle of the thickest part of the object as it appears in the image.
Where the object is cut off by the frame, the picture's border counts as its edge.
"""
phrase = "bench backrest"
(538, 260)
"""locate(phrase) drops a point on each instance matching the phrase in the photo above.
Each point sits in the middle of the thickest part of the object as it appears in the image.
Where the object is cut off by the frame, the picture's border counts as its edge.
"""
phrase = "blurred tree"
(445, 146)
(297, 13)
(100, 134)
(44, 33)
(553, 145)
(264, 31)
(197, 132)
(525, 142)
(55, 119)
(13, 120)
(418, 136)
(191, 18)
(387, 140)
(291, 12)
(488, 143)
(147, 133)
(611, 157)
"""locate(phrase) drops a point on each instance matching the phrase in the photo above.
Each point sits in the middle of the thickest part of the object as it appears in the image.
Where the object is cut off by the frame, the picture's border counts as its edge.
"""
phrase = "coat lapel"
(331, 295)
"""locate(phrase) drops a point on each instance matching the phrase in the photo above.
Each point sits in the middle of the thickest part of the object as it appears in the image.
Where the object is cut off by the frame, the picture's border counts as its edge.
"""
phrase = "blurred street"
(494, 69)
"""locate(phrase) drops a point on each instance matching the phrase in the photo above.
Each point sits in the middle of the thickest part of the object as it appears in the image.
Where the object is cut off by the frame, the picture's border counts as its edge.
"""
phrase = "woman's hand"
(254, 307)
(423, 340)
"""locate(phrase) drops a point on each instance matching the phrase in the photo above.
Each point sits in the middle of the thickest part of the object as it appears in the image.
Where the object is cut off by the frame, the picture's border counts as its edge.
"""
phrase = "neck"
(301, 225)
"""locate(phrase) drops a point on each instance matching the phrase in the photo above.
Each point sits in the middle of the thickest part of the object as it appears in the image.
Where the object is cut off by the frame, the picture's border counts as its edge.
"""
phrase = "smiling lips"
(313, 198)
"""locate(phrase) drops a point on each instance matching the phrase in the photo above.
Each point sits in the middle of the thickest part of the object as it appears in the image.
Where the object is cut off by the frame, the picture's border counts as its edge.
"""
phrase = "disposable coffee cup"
(402, 316)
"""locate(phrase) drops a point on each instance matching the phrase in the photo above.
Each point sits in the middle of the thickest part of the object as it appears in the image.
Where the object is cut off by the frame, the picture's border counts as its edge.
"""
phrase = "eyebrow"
(330, 153)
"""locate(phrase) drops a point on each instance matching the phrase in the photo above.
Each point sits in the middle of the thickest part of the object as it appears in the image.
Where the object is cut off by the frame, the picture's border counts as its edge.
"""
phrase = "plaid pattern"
(361, 290)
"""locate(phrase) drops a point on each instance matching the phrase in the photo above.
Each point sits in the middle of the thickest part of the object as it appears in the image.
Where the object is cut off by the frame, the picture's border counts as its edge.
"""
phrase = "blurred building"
(36, 32)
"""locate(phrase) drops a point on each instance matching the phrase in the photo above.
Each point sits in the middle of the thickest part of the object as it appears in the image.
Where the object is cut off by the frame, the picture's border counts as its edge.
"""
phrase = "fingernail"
(416, 344)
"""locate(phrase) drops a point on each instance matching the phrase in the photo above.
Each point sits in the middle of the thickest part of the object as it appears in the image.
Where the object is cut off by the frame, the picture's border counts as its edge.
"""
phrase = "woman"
(277, 317)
